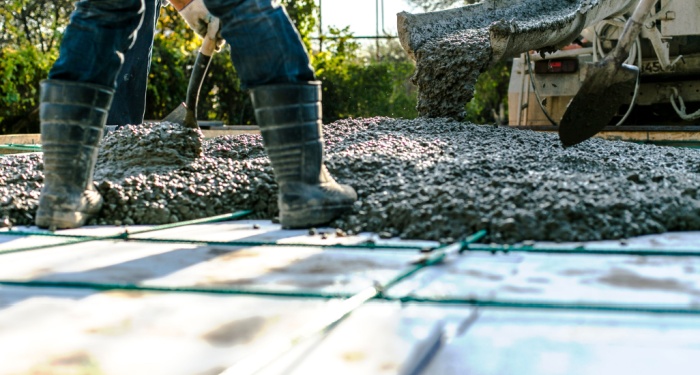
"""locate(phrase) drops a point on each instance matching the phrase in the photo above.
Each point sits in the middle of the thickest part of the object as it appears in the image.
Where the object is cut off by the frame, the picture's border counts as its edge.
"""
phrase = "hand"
(200, 20)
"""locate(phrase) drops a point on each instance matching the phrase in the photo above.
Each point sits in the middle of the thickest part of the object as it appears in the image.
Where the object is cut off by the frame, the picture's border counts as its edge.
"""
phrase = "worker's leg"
(75, 101)
(265, 46)
(271, 60)
(129, 102)
(99, 33)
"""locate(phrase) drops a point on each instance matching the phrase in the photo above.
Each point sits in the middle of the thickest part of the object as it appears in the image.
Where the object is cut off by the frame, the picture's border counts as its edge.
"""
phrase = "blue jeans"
(99, 33)
(129, 103)
(266, 49)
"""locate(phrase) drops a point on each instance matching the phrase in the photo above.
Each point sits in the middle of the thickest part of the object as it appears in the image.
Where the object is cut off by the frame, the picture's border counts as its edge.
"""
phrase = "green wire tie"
(122, 236)
(127, 236)
(580, 250)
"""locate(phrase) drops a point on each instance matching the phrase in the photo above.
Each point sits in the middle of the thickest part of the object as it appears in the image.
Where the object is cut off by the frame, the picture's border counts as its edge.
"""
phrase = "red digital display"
(556, 66)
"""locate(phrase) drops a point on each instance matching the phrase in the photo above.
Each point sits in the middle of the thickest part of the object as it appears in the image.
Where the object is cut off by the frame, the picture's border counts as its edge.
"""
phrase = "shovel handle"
(632, 29)
(199, 71)
(208, 46)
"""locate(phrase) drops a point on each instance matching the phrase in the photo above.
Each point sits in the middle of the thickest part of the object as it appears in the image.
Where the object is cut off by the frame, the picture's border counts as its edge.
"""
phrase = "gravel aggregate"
(428, 178)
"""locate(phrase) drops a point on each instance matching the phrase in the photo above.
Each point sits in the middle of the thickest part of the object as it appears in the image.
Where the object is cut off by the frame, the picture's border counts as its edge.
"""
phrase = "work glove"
(202, 22)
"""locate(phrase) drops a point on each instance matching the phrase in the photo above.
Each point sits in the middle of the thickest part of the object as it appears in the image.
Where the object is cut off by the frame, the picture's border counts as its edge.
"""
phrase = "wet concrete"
(451, 48)
(21, 179)
(447, 70)
(164, 173)
(424, 178)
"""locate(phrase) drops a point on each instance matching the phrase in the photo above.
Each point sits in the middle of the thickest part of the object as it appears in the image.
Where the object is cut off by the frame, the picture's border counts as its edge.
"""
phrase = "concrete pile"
(424, 178)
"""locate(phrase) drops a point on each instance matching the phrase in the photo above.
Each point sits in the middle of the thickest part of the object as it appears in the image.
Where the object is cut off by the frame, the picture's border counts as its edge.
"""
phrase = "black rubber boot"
(289, 116)
(72, 116)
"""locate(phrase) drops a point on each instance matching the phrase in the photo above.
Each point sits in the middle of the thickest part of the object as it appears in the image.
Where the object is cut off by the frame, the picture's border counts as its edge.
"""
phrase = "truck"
(667, 54)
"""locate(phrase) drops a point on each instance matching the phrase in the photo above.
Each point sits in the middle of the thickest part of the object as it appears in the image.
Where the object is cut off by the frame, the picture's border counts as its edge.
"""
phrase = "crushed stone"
(163, 173)
(425, 178)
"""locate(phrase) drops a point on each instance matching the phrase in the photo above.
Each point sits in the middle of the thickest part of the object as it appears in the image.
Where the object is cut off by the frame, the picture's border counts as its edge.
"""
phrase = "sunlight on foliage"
(358, 81)
(490, 96)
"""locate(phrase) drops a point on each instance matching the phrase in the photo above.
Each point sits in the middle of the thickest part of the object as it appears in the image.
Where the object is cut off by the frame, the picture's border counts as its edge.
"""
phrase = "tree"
(30, 32)
(304, 14)
(490, 96)
(355, 86)
(36, 23)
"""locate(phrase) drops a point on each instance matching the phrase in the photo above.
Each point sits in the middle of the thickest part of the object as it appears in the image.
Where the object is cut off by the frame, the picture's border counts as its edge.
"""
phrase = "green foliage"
(355, 82)
(30, 31)
(365, 90)
(304, 15)
(356, 87)
(490, 96)
(20, 73)
(34, 23)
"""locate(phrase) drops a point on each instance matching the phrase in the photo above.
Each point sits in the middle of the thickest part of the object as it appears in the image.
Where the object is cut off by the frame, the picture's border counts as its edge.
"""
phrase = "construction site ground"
(530, 258)
(229, 294)
(237, 297)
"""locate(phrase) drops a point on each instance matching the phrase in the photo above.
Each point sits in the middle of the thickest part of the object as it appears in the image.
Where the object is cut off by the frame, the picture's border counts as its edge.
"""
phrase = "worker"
(271, 61)
(129, 102)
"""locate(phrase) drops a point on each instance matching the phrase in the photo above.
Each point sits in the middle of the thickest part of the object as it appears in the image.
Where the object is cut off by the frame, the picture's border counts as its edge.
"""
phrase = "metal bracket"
(661, 47)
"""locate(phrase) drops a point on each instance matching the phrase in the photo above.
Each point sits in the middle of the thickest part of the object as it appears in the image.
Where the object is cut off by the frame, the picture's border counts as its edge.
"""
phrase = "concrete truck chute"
(482, 34)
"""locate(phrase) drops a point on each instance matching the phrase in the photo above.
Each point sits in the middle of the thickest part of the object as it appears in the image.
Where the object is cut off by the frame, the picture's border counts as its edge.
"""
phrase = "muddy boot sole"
(310, 217)
(62, 219)
(56, 218)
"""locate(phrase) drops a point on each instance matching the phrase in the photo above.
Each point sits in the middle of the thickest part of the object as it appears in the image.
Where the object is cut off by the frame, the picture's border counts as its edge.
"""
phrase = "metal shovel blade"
(183, 116)
(607, 86)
